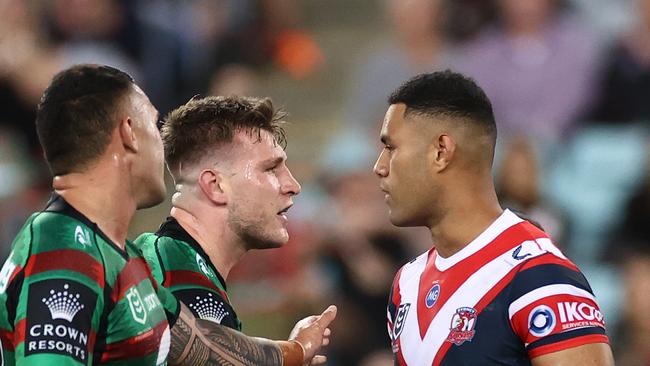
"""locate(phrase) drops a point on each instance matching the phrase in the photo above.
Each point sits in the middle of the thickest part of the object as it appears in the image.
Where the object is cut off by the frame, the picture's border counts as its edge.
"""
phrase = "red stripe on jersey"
(14, 273)
(549, 258)
(7, 339)
(569, 343)
(185, 277)
(19, 332)
(134, 272)
(66, 259)
(397, 296)
(455, 276)
(138, 346)
(567, 318)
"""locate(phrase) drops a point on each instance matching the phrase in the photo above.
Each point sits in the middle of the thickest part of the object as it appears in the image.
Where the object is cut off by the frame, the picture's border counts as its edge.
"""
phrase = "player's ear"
(212, 185)
(127, 134)
(441, 151)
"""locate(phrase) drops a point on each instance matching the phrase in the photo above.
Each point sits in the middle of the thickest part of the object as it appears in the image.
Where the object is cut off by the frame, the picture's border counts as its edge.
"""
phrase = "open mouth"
(284, 211)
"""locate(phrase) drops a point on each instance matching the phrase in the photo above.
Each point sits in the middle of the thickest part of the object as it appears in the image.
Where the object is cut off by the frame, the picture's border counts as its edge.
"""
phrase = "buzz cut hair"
(203, 124)
(447, 94)
(77, 115)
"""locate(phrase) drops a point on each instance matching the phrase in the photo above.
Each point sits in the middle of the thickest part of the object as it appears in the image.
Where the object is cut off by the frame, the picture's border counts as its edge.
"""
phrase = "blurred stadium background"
(569, 80)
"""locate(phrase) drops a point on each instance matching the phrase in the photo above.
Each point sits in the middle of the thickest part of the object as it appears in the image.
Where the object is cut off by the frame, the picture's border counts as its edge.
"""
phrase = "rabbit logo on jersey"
(462, 326)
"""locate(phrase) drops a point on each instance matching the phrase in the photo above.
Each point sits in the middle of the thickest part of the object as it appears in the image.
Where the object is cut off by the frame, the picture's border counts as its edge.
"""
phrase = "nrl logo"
(402, 312)
(137, 306)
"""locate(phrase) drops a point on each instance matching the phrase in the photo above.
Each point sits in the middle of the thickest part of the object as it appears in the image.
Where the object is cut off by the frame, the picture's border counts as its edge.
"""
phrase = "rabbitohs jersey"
(70, 296)
(507, 297)
(179, 263)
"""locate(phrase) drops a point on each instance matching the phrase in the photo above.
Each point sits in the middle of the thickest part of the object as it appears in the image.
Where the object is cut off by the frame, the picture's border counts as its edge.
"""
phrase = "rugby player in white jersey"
(493, 289)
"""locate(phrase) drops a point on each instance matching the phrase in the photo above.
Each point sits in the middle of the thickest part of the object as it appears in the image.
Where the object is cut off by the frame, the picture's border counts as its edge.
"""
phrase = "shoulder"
(164, 249)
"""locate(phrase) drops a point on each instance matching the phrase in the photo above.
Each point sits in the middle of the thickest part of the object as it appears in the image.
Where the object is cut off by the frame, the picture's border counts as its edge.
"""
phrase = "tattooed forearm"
(202, 342)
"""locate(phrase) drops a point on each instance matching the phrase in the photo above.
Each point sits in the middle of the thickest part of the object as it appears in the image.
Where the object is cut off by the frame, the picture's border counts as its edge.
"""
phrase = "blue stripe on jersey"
(494, 343)
(566, 335)
(546, 274)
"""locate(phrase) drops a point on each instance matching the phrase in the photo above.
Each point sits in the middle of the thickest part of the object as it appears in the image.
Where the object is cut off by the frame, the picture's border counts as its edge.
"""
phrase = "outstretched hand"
(313, 333)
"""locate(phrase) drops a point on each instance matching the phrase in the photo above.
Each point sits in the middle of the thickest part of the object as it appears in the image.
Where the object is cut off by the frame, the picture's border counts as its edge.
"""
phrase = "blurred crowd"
(569, 82)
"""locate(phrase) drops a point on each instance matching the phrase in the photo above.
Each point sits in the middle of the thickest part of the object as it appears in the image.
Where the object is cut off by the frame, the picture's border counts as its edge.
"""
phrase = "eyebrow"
(273, 161)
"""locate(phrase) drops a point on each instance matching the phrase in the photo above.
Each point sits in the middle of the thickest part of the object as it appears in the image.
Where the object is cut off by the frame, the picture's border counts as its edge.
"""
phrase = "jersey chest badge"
(402, 312)
(462, 326)
(137, 305)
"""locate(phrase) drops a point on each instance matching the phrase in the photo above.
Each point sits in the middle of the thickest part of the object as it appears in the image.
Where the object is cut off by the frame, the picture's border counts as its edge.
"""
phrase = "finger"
(327, 332)
(326, 341)
(318, 360)
(327, 316)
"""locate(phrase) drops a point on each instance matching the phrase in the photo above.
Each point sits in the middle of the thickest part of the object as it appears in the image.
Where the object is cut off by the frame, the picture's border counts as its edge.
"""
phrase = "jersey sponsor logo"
(209, 308)
(541, 321)
(462, 325)
(137, 305)
(574, 314)
(5, 274)
(400, 319)
(516, 254)
(81, 236)
(59, 314)
(203, 266)
(432, 296)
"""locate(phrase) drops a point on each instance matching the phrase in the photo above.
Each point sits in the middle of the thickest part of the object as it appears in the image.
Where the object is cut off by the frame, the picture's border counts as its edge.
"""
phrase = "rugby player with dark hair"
(493, 289)
(74, 290)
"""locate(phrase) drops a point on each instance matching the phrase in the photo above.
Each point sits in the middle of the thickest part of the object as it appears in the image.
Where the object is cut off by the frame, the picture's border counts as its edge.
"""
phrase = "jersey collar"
(171, 228)
(58, 204)
(506, 220)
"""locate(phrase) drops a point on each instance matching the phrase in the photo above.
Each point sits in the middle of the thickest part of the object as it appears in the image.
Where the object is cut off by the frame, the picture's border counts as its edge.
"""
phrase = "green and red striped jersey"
(179, 263)
(70, 296)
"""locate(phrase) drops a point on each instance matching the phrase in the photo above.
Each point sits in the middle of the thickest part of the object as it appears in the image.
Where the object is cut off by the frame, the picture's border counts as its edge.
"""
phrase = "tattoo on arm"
(202, 342)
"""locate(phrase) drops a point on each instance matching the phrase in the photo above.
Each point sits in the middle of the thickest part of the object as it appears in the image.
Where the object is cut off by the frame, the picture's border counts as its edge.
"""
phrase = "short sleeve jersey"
(507, 297)
(70, 296)
(180, 264)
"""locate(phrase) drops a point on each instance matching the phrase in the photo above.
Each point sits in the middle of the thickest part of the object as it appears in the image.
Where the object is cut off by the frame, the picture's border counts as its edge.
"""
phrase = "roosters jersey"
(507, 297)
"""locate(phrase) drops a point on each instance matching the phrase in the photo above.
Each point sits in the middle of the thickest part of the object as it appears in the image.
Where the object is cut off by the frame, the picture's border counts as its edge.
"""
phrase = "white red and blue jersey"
(507, 297)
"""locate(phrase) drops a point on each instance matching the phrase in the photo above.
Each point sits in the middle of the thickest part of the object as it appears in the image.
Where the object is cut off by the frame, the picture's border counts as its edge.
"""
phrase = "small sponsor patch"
(59, 318)
(578, 314)
(462, 326)
(432, 296)
(541, 321)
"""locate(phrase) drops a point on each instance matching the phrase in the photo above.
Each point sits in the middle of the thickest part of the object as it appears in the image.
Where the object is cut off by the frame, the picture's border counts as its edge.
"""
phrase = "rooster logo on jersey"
(462, 326)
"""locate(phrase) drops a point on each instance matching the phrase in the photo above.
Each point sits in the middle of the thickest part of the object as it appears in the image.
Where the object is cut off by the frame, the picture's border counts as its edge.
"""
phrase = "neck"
(213, 235)
(99, 194)
(467, 218)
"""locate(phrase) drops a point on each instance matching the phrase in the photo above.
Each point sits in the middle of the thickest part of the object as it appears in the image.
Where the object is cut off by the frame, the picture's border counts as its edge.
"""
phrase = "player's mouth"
(283, 213)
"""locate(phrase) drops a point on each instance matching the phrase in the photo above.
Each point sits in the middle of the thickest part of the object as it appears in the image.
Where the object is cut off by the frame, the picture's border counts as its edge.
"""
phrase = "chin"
(155, 198)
